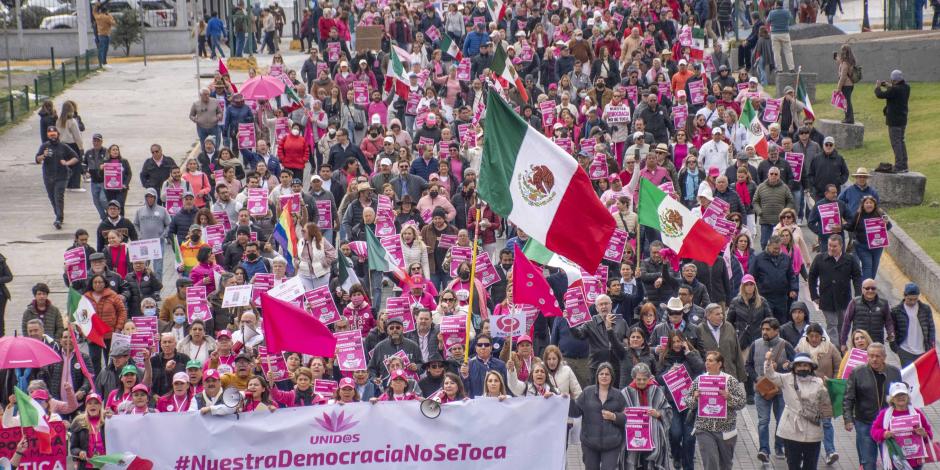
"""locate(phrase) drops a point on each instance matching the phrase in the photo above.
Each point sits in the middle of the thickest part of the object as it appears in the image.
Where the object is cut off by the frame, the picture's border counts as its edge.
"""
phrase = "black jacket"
(6, 276)
(597, 433)
(825, 170)
(595, 333)
(786, 173)
(339, 155)
(153, 176)
(896, 98)
(924, 317)
(774, 274)
(148, 285)
(163, 380)
(123, 225)
(814, 220)
(731, 197)
(831, 281)
(716, 281)
(746, 318)
(864, 399)
(650, 272)
(53, 167)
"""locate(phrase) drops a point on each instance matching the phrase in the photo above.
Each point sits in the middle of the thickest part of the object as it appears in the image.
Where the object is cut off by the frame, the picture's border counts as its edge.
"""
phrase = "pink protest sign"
(174, 200)
(709, 65)
(618, 241)
(838, 100)
(446, 241)
(215, 236)
(547, 108)
(359, 248)
(261, 282)
(912, 445)
(325, 210)
(325, 387)
(697, 92)
(273, 363)
(320, 304)
(679, 114)
(222, 218)
(281, 128)
(332, 51)
(633, 93)
(361, 93)
(459, 254)
(662, 88)
(725, 228)
(433, 34)
(527, 53)
(411, 106)
(679, 383)
(322, 67)
(598, 169)
(454, 329)
(218, 175)
(463, 70)
(576, 308)
(717, 209)
(350, 353)
(486, 272)
(257, 201)
(197, 307)
(829, 217)
(33, 458)
(426, 141)
(113, 175)
(639, 429)
(75, 264)
(741, 86)
(140, 343)
(392, 245)
(291, 202)
(385, 224)
(384, 203)
(587, 145)
(710, 402)
(876, 232)
(400, 308)
(772, 110)
(667, 188)
(222, 114)
(246, 135)
(795, 160)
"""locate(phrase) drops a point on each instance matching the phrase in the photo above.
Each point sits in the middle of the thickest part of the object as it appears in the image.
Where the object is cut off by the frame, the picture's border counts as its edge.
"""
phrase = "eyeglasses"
(828, 144)
(788, 216)
(436, 366)
(449, 299)
(483, 345)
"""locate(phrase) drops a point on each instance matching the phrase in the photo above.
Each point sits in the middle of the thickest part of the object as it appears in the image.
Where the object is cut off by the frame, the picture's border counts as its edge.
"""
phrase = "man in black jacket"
(6, 276)
(827, 168)
(344, 149)
(814, 219)
(914, 327)
(56, 159)
(776, 280)
(596, 333)
(115, 221)
(832, 276)
(156, 169)
(865, 396)
(870, 313)
(896, 94)
(659, 282)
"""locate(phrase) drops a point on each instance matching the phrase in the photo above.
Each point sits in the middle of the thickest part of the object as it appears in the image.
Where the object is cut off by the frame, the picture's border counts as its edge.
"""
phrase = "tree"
(128, 31)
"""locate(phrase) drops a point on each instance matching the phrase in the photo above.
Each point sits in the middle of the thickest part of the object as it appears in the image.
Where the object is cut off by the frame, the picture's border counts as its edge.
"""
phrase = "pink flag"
(530, 287)
(308, 137)
(290, 328)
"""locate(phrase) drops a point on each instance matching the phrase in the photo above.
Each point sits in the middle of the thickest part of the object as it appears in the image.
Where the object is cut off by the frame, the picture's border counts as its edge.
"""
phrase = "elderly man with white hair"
(249, 331)
(604, 327)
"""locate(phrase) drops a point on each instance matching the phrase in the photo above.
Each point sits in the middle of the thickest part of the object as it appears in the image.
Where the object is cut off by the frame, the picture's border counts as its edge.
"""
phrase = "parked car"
(156, 13)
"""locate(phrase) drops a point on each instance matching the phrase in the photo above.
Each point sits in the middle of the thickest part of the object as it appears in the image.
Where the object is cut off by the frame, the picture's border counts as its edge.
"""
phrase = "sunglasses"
(483, 345)
(449, 299)
(786, 217)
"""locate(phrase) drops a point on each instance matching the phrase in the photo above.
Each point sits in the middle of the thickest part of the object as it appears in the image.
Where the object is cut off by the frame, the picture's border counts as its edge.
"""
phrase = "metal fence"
(62, 14)
(20, 102)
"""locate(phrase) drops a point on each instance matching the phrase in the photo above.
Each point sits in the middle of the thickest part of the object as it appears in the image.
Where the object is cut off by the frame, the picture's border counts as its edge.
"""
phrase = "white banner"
(474, 434)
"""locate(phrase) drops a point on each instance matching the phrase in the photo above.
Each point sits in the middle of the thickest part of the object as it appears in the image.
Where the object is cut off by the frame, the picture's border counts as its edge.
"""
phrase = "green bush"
(32, 16)
(129, 30)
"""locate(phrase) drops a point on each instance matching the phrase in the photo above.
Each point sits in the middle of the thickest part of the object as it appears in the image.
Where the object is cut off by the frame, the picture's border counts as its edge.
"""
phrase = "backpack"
(856, 74)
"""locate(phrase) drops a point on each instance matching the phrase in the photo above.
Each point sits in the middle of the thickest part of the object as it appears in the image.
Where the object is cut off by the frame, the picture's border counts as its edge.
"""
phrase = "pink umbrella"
(17, 352)
(262, 87)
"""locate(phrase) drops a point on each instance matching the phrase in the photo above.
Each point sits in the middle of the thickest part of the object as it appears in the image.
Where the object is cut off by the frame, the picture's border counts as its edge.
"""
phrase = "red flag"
(290, 328)
(81, 361)
(530, 287)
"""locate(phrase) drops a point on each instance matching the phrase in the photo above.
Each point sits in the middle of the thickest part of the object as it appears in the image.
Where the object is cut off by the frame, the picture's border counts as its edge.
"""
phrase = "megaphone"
(430, 408)
(231, 397)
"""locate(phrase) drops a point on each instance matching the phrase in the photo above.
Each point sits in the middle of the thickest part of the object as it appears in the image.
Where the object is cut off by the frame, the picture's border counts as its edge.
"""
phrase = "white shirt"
(914, 342)
(714, 154)
(716, 331)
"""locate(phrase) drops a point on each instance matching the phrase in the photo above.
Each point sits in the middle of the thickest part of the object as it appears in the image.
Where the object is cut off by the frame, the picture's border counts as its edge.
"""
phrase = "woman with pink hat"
(139, 404)
(397, 388)
(177, 401)
(346, 392)
(88, 432)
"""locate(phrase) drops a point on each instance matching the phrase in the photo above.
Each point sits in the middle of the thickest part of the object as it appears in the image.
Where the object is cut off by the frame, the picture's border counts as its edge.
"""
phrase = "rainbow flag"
(286, 236)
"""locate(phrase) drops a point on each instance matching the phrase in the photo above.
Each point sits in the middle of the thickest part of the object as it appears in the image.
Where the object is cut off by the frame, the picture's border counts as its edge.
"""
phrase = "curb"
(112, 60)
(913, 261)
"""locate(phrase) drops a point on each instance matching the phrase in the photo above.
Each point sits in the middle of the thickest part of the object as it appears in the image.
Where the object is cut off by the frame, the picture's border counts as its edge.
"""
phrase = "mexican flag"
(804, 98)
(126, 460)
(451, 48)
(497, 9)
(379, 258)
(82, 313)
(504, 71)
(33, 416)
(347, 275)
(397, 72)
(534, 183)
(175, 244)
(537, 252)
(755, 129)
(923, 376)
(688, 236)
(697, 50)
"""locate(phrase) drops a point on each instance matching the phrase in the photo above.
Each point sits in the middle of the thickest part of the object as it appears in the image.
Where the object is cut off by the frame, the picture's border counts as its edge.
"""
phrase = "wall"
(913, 52)
(915, 263)
(37, 43)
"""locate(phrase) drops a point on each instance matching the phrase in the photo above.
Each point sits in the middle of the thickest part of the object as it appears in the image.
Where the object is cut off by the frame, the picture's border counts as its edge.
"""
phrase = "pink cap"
(181, 377)
(714, 171)
(434, 176)
(398, 374)
(211, 374)
(140, 388)
(748, 279)
(40, 394)
(93, 396)
(347, 382)
(225, 333)
(523, 339)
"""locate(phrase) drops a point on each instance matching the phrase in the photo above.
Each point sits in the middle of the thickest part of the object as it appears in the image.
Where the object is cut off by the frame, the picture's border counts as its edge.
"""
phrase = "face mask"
(179, 319)
(253, 257)
(195, 237)
(295, 132)
(464, 275)
(373, 134)
(433, 193)
(803, 373)
(149, 312)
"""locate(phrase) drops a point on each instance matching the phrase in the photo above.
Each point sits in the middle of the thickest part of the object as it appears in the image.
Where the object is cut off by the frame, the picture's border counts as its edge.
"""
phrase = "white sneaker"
(76, 190)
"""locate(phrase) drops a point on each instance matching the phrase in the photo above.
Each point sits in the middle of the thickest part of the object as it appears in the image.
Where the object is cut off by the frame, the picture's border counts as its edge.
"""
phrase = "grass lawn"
(920, 222)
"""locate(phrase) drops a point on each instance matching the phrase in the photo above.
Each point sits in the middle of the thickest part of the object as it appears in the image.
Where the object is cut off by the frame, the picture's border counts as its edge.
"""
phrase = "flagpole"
(639, 233)
(473, 272)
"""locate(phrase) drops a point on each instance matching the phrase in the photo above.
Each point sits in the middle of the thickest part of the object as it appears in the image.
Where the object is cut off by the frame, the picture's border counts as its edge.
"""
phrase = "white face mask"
(295, 131)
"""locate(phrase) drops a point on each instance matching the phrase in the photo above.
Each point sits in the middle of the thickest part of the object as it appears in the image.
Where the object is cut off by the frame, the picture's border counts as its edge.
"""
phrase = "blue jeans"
(759, 71)
(870, 259)
(798, 202)
(98, 199)
(766, 230)
(865, 446)
(215, 132)
(375, 288)
(215, 43)
(763, 422)
(829, 443)
(104, 42)
(239, 44)
(440, 279)
(681, 440)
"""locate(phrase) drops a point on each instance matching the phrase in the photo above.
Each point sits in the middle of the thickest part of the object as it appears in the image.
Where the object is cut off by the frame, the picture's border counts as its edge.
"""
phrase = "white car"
(156, 13)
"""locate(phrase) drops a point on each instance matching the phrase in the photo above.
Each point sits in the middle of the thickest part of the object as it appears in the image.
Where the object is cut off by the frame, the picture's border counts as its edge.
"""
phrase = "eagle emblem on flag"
(670, 222)
(536, 185)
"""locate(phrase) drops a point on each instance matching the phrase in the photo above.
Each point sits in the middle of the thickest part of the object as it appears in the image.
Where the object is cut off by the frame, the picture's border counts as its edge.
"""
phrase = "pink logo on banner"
(174, 200)
(113, 175)
(697, 92)
(336, 423)
(772, 110)
(325, 210)
(257, 201)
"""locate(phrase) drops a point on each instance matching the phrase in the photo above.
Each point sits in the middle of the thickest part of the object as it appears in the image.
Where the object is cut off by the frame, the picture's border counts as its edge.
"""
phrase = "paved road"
(135, 106)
